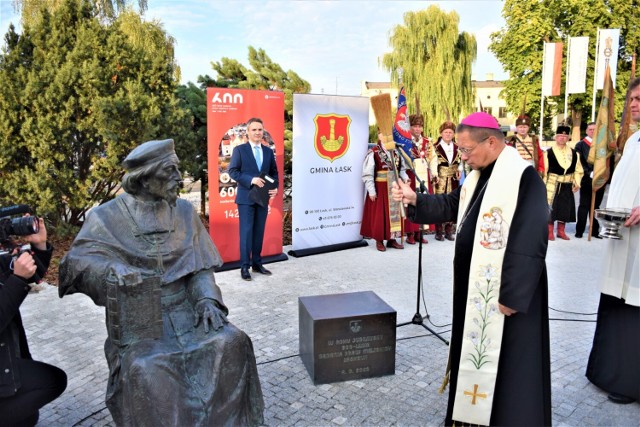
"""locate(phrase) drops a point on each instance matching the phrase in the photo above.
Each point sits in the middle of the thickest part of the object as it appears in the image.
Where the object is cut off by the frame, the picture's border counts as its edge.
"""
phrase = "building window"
(502, 113)
(488, 110)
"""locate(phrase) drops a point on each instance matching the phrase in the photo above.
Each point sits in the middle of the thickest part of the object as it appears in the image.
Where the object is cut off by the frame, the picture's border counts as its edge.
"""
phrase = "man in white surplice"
(613, 362)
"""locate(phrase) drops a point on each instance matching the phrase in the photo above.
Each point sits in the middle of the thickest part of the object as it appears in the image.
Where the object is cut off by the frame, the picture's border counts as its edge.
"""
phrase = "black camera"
(21, 226)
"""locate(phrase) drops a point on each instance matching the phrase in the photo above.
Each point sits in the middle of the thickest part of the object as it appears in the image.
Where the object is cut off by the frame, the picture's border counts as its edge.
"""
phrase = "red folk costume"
(448, 175)
(425, 164)
(529, 146)
(376, 216)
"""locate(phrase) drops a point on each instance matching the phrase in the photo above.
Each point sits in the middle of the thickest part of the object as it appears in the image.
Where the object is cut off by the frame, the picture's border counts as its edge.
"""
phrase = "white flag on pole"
(608, 46)
(578, 51)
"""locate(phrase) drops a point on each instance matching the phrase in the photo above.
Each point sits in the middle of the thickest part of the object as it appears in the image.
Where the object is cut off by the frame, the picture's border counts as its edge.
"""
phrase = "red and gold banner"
(227, 113)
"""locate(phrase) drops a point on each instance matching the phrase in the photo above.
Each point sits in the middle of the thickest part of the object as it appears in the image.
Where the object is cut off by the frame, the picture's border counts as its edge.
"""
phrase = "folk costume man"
(582, 148)
(500, 336)
(613, 363)
(251, 163)
(563, 173)
(380, 218)
(174, 359)
(425, 164)
(448, 178)
(527, 145)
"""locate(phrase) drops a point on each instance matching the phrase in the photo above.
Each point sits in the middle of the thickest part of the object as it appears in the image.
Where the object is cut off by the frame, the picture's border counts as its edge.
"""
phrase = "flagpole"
(591, 209)
(566, 83)
(544, 55)
(595, 78)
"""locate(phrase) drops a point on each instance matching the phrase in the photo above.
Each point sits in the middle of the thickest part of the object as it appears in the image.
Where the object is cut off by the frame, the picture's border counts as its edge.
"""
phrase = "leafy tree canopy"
(264, 74)
(76, 95)
(519, 47)
(436, 60)
(107, 9)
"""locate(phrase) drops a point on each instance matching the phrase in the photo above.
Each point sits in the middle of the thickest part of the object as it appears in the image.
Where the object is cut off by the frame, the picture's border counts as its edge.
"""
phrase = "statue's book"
(134, 312)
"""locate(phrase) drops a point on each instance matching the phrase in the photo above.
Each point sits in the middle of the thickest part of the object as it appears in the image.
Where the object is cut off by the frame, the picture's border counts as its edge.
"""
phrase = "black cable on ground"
(572, 312)
(426, 310)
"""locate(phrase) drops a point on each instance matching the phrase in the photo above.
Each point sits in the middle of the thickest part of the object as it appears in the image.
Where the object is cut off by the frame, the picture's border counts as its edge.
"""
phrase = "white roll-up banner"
(330, 141)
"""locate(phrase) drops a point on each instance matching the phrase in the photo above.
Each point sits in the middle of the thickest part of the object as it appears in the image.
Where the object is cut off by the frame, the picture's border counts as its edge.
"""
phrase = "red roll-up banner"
(227, 113)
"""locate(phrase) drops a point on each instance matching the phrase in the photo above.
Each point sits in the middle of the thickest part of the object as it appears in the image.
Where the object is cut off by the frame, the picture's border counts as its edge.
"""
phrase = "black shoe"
(260, 269)
(244, 273)
(620, 399)
(449, 237)
(578, 235)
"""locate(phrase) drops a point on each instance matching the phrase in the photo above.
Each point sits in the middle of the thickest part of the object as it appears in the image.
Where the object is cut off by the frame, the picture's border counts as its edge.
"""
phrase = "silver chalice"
(611, 220)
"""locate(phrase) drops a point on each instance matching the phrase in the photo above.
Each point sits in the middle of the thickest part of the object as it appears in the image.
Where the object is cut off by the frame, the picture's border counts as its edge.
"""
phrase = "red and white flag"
(552, 69)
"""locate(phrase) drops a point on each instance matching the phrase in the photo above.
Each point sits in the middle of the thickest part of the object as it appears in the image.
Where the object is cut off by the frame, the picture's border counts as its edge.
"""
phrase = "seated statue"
(174, 359)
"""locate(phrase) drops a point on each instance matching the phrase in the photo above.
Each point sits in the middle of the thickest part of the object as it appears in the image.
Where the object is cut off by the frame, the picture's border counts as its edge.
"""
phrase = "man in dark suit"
(582, 148)
(248, 161)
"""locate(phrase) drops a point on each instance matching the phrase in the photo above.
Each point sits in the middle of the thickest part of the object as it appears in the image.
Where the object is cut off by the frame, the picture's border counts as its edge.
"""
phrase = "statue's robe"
(186, 376)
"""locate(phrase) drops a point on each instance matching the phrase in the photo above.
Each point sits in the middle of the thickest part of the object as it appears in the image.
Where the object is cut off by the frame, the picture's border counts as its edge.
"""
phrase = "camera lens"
(25, 225)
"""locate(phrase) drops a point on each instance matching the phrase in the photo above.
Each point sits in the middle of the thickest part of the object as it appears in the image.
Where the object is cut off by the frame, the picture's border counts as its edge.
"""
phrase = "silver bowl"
(611, 220)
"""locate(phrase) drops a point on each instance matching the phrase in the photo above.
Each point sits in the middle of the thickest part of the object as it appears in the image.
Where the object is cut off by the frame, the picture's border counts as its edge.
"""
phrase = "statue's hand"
(210, 315)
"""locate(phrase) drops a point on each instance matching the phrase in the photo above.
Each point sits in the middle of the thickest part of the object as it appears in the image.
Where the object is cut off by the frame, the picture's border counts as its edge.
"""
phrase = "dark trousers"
(585, 206)
(41, 384)
(444, 229)
(252, 223)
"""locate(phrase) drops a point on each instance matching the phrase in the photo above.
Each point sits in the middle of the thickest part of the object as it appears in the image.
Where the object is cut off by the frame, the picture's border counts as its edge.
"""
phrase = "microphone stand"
(418, 319)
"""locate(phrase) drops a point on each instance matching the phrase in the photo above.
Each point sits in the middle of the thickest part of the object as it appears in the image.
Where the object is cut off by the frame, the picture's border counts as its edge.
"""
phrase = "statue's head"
(152, 172)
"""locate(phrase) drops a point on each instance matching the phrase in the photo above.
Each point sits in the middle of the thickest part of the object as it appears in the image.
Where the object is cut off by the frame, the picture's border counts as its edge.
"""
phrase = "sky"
(334, 45)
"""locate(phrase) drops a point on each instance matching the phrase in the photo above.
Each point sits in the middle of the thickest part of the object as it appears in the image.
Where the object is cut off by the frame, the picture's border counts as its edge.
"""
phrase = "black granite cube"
(347, 336)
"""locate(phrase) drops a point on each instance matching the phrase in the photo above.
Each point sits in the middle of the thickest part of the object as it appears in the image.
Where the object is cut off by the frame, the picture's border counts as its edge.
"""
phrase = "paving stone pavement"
(70, 333)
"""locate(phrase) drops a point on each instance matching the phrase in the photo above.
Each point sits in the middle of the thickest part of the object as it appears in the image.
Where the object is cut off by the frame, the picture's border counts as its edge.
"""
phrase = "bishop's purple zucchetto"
(481, 120)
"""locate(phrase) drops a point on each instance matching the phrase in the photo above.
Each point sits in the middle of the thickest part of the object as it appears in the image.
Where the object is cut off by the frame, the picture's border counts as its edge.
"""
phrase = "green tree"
(264, 74)
(107, 9)
(193, 147)
(519, 47)
(436, 60)
(76, 95)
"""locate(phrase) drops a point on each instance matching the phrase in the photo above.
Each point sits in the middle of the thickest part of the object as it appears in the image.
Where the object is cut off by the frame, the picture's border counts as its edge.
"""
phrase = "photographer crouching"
(26, 385)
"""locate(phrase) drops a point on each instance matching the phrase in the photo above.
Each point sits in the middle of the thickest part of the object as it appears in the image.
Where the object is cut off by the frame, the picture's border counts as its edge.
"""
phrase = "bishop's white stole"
(483, 326)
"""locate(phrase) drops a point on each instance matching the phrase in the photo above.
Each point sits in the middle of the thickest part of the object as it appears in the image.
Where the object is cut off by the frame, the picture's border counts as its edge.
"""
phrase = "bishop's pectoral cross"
(475, 394)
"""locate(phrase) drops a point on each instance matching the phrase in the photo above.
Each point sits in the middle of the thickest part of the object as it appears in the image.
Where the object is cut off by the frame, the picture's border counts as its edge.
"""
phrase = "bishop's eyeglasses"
(467, 151)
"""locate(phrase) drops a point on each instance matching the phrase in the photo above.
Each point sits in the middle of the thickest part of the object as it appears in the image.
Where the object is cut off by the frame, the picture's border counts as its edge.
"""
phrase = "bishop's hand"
(402, 192)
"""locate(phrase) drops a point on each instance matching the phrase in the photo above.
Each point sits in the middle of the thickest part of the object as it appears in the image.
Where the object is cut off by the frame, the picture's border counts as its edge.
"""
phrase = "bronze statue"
(173, 357)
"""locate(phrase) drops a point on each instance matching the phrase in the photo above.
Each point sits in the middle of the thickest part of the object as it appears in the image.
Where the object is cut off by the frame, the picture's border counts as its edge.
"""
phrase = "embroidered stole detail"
(483, 326)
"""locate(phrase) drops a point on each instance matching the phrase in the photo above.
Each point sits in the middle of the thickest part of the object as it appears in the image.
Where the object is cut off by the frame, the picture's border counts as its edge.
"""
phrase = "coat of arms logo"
(355, 326)
(332, 135)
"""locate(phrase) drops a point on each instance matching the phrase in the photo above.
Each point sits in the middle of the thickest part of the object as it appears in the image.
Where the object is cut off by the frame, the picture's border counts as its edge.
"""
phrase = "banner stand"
(234, 265)
(329, 248)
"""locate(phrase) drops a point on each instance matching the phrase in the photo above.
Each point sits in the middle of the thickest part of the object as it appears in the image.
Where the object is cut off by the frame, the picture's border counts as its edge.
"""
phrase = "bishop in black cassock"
(522, 394)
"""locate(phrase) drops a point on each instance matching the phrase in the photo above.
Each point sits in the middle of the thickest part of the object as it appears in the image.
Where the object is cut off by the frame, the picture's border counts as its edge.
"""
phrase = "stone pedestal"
(347, 336)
